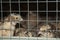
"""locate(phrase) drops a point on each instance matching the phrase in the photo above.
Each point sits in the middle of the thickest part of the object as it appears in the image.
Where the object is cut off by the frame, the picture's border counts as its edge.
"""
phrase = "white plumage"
(7, 28)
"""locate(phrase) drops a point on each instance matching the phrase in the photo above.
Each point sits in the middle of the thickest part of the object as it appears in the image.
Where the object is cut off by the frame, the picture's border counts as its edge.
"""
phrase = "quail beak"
(21, 19)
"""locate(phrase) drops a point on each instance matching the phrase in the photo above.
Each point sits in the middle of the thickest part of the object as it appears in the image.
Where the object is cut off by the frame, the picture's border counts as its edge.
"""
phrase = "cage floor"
(27, 38)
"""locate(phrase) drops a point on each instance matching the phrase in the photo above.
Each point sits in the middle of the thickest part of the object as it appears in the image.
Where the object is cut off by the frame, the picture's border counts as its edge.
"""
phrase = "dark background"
(32, 7)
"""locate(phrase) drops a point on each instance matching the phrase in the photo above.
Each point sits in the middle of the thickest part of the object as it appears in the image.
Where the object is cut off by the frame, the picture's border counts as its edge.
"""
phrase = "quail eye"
(17, 18)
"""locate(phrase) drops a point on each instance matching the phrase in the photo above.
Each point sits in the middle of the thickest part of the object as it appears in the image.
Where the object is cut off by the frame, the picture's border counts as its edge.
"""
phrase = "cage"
(29, 20)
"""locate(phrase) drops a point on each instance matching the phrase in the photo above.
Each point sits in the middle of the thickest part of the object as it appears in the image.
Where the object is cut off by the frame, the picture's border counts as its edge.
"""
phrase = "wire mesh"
(30, 18)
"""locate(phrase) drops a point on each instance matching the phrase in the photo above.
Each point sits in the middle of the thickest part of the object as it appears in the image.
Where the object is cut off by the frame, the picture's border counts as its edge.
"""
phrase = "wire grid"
(37, 10)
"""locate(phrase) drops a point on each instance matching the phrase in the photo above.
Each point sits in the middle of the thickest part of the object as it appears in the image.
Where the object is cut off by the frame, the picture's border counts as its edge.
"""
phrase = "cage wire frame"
(31, 38)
